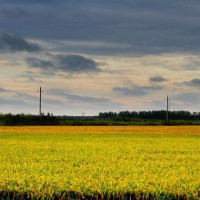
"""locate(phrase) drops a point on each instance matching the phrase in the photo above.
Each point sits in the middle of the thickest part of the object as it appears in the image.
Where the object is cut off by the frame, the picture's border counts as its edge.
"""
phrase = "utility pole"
(40, 103)
(167, 111)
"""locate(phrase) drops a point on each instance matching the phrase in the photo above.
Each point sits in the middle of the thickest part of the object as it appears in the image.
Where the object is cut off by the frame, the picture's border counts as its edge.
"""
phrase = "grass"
(99, 162)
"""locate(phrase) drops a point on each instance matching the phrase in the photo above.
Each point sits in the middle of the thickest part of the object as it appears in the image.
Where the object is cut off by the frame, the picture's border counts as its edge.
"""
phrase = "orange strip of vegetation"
(104, 129)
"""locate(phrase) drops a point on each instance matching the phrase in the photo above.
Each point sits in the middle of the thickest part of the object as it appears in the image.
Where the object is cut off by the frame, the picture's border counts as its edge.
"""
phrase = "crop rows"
(51, 164)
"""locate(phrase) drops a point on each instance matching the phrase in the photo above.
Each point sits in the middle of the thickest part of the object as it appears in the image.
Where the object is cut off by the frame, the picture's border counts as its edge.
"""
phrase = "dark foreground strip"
(72, 195)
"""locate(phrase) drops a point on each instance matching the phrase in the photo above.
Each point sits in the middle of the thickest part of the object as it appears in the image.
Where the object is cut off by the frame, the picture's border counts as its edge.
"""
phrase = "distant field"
(100, 162)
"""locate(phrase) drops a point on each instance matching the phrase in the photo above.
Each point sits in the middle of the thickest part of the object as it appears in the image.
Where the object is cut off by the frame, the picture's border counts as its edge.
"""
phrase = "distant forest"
(105, 118)
(151, 115)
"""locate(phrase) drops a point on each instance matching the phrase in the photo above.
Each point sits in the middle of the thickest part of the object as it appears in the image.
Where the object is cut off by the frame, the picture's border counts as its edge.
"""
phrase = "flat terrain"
(100, 162)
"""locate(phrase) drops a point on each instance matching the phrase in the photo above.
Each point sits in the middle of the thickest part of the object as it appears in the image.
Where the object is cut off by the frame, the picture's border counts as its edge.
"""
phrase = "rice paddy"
(100, 162)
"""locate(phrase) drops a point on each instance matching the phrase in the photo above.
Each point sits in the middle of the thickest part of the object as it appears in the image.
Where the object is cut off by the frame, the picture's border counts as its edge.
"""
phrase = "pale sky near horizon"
(99, 55)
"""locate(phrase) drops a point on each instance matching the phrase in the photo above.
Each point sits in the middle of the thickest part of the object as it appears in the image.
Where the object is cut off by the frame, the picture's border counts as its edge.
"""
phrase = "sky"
(92, 56)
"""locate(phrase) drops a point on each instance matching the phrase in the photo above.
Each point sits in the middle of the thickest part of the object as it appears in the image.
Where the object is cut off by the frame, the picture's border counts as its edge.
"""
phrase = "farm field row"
(103, 129)
(100, 162)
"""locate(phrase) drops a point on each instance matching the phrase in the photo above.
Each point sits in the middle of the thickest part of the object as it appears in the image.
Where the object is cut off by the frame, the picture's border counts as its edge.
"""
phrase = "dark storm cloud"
(158, 79)
(194, 82)
(144, 27)
(65, 63)
(76, 63)
(43, 64)
(15, 43)
(15, 12)
(136, 90)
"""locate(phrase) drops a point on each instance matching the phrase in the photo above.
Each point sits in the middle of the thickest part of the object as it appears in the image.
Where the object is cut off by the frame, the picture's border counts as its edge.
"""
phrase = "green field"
(99, 166)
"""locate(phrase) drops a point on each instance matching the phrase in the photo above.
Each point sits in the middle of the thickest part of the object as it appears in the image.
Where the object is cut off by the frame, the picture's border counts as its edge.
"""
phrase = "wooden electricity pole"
(167, 110)
(40, 102)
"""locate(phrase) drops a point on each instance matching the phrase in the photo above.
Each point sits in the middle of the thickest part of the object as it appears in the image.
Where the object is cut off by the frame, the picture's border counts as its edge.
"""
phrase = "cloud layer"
(65, 63)
(158, 79)
(136, 90)
(143, 27)
(96, 50)
(16, 43)
(195, 82)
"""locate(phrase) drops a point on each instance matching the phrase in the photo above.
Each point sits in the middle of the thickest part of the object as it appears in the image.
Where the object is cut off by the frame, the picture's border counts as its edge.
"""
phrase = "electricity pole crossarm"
(40, 102)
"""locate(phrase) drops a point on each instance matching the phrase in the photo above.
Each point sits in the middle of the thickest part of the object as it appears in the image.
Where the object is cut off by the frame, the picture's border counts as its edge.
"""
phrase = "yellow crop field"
(100, 162)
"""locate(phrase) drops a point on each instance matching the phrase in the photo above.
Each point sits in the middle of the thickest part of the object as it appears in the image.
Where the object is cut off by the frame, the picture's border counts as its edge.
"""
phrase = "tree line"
(151, 115)
(105, 118)
(27, 119)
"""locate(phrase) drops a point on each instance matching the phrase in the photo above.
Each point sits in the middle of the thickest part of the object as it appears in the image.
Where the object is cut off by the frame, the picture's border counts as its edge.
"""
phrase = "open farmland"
(100, 162)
